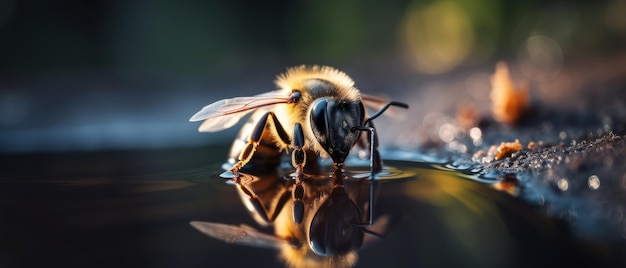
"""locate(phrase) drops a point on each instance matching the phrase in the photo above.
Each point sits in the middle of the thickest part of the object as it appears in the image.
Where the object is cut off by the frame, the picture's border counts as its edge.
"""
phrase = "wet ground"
(573, 145)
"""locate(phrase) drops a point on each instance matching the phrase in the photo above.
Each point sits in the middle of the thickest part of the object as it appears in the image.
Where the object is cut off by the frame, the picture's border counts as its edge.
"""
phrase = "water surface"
(133, 208)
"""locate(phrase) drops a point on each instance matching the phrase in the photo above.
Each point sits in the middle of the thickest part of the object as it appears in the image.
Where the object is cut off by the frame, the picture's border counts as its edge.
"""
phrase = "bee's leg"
(258, 205)
(255, 137)
(298, 159)
(376, 162)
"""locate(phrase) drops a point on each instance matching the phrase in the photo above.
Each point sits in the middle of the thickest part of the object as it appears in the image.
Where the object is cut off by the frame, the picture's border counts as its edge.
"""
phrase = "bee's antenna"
(384, 108)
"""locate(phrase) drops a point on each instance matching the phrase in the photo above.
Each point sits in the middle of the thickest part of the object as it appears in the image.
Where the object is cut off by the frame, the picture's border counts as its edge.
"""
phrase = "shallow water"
(133, 208)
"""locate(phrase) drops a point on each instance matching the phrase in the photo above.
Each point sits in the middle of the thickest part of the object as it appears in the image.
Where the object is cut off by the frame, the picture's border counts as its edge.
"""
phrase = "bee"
(333, 230)
(317, 110)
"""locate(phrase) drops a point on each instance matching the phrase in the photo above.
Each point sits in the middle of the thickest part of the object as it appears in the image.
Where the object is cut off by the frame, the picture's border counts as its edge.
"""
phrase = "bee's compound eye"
(319, 123)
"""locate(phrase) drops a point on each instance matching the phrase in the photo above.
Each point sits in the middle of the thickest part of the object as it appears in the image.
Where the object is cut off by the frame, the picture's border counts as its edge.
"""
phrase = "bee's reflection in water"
(337, 217)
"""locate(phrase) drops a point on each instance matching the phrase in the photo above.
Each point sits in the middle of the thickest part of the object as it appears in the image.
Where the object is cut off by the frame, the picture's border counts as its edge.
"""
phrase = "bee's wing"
(242, 235)
(223, 114)
(373, 102)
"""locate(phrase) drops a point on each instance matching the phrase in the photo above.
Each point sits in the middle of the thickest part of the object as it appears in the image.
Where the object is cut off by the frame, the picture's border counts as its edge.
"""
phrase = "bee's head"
(333, 121)
(333, 230)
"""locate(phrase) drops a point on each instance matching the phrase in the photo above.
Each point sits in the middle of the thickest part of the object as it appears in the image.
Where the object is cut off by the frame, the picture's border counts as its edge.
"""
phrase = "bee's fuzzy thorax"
(296, 75)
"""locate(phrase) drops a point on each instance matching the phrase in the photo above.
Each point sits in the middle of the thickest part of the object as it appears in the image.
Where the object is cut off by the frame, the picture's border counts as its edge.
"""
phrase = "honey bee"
(316, 111)
(332, 232)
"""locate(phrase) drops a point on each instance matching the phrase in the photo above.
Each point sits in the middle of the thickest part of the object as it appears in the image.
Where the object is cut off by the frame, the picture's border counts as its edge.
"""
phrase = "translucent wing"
(223, 114)
(241, 235)
(373, 102)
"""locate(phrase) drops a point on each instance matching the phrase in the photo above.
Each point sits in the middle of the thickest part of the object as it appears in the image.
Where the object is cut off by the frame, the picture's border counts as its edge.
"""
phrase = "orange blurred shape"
(507, 148)
(509, 186)
(510, 102)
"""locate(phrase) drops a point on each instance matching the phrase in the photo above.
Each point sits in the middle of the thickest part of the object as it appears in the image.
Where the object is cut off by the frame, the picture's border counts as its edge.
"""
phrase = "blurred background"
(99, 75)
(116, 77)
